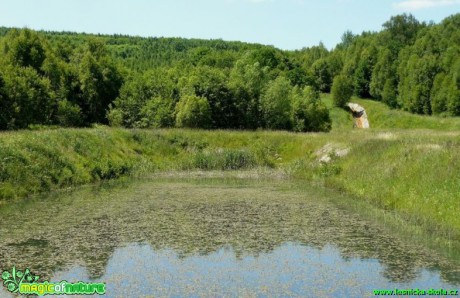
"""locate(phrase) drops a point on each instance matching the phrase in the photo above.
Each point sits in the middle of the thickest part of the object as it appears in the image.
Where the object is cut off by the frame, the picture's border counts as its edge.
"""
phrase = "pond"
(213, 238)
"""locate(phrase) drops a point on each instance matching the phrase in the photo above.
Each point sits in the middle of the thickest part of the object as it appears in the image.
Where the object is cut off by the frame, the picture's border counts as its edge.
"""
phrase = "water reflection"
(289, 270)
(250, 229)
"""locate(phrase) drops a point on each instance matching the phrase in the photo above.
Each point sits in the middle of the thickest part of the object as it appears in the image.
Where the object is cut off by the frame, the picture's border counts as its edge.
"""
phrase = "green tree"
(30, 98)
(157, 112)
(363, 72)
(382, 72)
(267, 57)
(439, 96)
(308, 112)
(402, 30)
(389, 94)
(247, 82)
(275, 104)
(100, 81)
(347, 39)
(308, 56)
(68, 114)
(25, 48)
(115, 116)
(212, 84)
(6, 109)
(322, 73)
(454, 90)
(298, 76)
(342, 90)
(142, 96)
(193, 112)
(417, 77)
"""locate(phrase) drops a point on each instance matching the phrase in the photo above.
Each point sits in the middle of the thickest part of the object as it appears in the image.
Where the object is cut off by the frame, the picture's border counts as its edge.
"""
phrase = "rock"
(326, 153)
(359, 115)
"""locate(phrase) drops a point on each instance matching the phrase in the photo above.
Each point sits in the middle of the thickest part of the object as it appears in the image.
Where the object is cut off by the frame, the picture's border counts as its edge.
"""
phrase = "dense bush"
(45, 84)
(68, 114)
(342, 90)
(275, 104)
(193, 111)
(308, 112)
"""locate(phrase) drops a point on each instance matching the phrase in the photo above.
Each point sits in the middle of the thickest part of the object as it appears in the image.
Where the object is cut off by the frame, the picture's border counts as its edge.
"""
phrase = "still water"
(213, 238)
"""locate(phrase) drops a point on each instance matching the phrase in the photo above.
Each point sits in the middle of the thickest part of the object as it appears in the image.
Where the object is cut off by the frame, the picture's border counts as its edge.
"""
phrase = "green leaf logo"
(6, 275)
(12, 280)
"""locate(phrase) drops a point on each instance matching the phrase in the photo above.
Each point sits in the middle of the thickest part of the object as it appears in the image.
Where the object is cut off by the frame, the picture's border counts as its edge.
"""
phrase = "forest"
(77, 80)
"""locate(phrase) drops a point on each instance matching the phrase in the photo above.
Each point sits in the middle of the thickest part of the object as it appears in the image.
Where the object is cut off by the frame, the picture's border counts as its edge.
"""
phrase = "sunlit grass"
(382, 117)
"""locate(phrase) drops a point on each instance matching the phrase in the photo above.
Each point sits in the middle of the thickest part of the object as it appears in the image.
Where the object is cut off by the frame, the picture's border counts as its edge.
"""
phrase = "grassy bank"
(35, 161)
(412, 171)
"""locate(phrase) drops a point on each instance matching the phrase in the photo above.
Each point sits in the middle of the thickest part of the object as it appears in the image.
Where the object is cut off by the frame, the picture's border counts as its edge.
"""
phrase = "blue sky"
(286, 24)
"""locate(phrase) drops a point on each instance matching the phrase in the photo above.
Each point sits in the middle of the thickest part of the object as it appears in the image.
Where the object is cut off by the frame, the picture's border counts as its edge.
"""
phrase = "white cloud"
(409, 5)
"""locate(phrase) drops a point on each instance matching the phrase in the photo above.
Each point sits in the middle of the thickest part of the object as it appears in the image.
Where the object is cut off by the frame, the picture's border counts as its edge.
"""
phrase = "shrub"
(157, 113)
(115, 117)
(308, 112)
(193, 111)
(342, 90)
(275, 104)
(68, 114)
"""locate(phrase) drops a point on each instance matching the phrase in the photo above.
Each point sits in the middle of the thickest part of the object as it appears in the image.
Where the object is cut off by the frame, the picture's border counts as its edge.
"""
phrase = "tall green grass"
(37, 161)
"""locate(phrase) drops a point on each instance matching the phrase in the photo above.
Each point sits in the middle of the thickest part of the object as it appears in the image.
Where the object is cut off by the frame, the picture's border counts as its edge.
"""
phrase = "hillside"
(76, 80)
(143, 53)
(382, 117)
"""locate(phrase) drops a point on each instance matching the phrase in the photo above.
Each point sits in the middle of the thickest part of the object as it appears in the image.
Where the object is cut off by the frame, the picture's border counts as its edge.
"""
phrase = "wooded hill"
(70, 79)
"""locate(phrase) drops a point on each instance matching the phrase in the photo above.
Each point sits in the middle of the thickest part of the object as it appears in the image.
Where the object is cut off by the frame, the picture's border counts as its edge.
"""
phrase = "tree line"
(42, 84)
(409, 65)
(77, 80)
(69, 79)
